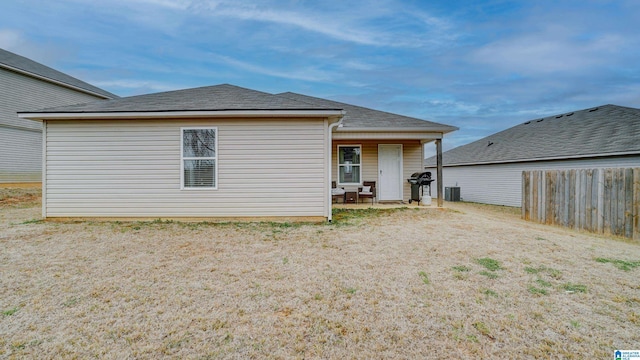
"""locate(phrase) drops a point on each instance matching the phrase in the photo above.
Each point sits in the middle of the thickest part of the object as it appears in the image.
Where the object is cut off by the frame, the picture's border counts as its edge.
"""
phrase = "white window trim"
(182, 158)
(359, 165)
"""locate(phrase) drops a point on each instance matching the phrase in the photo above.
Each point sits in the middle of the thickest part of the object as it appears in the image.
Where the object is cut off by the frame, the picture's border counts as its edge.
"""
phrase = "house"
(222, 152)
(490, 170)
(26, 84)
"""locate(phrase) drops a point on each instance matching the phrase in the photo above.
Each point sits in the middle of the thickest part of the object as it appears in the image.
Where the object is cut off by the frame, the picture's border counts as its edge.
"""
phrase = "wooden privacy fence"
(598, 200)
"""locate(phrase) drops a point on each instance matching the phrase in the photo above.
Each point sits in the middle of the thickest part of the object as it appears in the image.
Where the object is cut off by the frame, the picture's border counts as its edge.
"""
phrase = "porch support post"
(439, 171)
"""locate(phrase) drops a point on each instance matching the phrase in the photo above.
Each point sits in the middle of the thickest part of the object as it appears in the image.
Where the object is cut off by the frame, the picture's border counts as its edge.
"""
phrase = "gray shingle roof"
(210, 98)
(14, 61)
(600, 131)
(361, 117)
(229, 97)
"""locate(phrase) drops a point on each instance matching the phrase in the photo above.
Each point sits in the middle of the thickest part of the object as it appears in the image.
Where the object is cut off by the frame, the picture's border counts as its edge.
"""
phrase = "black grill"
(417, 181)
(420, 178)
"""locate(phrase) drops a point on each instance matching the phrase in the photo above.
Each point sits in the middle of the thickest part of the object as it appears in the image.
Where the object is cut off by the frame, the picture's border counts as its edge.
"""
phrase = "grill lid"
(420, 178)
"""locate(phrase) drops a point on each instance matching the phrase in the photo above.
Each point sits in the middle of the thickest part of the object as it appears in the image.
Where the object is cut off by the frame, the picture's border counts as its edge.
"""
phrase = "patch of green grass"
(70, 302)
(553, 273)
(460, 272)
(574, 287)
(620, 264)
(425, 278)
(350, 290)
(489, 264)
(490, 292)
(531, 270)
(575, 324)
(472, 338)
(461, 268)
(32, 221)
(281, 225)
(490, 275)
(482, 328)
(285, 261)
(543, 283)
(11, 311)
(537, 291)
(352, 216)
(556, 274)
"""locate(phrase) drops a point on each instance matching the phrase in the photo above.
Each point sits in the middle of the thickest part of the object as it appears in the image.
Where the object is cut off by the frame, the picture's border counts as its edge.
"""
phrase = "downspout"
(329, 173)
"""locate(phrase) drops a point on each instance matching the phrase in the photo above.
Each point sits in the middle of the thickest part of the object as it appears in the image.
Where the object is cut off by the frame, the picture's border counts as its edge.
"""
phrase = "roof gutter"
(178, 114)
(443, 130)
(551, 158)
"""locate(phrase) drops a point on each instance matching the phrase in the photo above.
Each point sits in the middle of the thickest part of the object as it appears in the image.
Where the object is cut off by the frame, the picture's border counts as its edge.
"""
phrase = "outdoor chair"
(336, 193)
(368, 190)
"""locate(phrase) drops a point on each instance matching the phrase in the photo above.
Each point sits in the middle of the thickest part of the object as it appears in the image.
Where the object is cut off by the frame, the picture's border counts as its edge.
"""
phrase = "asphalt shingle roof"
(361, 117)
(209, 98)
(12, 60)
(229, 97)
(600, 131)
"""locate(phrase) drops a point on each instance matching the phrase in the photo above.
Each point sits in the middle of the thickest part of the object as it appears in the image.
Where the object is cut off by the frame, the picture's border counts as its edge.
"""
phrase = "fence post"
(526, 198)
(600, 199)
(628, 203)
(636, 204)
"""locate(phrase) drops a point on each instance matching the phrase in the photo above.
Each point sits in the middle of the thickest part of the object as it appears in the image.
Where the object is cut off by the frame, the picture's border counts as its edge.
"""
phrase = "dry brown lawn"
(466, 282)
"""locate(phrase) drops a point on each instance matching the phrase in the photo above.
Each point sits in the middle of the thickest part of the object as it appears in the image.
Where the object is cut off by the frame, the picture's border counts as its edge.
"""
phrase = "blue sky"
(483, 66)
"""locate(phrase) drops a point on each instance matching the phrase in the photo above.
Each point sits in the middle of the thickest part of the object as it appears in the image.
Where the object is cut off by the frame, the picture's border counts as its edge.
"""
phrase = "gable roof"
(208, 100)
(601, 131)
(21, 64)
(358, 117)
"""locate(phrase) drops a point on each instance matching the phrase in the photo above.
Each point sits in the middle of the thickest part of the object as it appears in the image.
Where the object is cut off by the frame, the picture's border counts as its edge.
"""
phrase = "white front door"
(389, 172)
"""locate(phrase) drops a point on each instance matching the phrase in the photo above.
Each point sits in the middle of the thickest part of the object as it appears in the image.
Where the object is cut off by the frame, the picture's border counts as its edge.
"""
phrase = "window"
(349, 164)
(199, 158)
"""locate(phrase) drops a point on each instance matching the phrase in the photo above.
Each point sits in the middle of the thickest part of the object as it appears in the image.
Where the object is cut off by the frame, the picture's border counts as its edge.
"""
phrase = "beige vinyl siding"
(21, 139)
(501, 184)
(411, 154)
(131, 168)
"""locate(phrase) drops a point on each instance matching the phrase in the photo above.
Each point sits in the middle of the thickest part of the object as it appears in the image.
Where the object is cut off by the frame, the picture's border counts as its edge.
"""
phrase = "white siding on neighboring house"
(131, 168)
(411, 154)
(21, 139)
(21, 155)
(501, 184)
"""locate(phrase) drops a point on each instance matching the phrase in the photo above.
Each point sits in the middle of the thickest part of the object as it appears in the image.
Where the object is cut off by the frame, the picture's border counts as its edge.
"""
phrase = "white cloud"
(10, 39)
(358, 24)
(171, 4)
(550, 50)
(307, 73)
(16, 42)
(131, 87)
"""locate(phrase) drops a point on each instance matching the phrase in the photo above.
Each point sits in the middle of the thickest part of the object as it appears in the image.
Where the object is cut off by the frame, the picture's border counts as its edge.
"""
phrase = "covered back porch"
(383, 161)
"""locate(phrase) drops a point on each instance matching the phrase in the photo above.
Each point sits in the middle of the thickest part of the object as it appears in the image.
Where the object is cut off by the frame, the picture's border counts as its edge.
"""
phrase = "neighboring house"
(24, 85)
(222, 151)
(490, 170)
